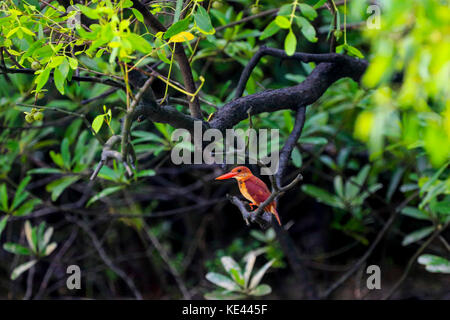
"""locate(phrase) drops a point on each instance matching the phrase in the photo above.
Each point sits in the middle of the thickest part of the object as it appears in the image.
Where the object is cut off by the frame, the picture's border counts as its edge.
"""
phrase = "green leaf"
(417, 235)
(355, 184)
(98, 122)
(16, 249)
(339, 186)
(4, 197)
(45, 239)
(282, 22)
(27, 207)
(442, 207)
(65, 153)
(162, 56)
(22, 268)
(223, 295)
(307, 29)
(434, 263)
(203, 21)
(178, 8)
(127, 4)
(308, 11)
(258, 235)
(256, 279)
(261, 290)
(50, 248)
(296, 157)
(58, 186)
(237, 277)
(222, 281)
(229, 263)
(146, 173)
(73, 63)
(139, 43)
(31, 236)
(249, 268)
(42, 79)
(138, 15)
(319, 4)
(322, 195)
(395, 181)
(352, 51)
(290, 43)
(314, 140)
(21, 194)
(12, 32)
(341, 48)
(433, 192)
(44, 171)
(3, 222)
(270, 30)
(426, 186)
(176, 28)
(88, 12)
(104, 193)
(59, 80)
(57, 158)
(415, 213)
(146, 136)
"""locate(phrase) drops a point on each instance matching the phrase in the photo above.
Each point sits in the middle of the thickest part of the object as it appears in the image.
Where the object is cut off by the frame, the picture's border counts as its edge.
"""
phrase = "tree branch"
(180, 56)
(413, 259)
(109, 82)
(290, 143)
(331, 68)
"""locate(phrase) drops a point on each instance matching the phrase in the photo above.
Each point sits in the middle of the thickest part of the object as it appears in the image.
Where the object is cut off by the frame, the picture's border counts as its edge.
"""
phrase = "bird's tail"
(274, 211)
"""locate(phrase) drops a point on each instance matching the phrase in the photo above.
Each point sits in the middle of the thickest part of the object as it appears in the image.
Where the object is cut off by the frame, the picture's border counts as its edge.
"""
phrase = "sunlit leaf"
(22, 268)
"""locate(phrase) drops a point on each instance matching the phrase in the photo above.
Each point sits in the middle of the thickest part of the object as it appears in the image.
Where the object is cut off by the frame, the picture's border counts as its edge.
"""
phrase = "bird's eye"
(239, 170)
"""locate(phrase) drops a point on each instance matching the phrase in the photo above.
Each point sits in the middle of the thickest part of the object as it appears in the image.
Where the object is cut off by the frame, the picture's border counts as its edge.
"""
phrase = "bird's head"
(237, 173)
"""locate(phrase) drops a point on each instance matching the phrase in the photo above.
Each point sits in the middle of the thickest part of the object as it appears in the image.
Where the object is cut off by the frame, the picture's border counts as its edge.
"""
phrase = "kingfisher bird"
(252, 188)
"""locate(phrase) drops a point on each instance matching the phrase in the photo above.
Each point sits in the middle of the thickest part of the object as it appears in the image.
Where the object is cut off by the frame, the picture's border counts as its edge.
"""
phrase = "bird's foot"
(252, 205)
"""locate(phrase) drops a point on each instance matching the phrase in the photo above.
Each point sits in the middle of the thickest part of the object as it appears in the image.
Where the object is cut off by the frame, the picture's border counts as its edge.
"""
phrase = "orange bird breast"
(254, 189)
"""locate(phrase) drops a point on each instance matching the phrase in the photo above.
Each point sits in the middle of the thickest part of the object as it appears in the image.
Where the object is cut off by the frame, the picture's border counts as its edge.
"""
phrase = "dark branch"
(180, 56)
(109, 82)
(331, 68)
(290, 143)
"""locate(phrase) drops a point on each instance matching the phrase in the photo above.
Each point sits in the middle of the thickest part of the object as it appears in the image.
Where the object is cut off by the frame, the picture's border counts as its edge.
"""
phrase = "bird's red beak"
(227, 176)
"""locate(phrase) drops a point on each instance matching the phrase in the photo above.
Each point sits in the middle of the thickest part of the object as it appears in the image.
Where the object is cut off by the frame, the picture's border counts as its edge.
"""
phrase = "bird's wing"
(257, 189)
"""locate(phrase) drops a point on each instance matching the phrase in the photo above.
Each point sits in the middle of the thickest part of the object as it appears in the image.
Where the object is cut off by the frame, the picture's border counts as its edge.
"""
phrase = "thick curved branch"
(310, 90)
(180, 56)
(299, 56)
(332, 68)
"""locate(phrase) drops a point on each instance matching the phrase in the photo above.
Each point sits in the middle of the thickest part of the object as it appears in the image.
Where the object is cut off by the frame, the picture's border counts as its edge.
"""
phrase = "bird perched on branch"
(252, 188)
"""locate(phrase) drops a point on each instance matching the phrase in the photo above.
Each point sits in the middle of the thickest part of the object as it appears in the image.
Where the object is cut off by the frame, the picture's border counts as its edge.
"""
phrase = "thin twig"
(369, 251)
(106, 259)
(413, 259)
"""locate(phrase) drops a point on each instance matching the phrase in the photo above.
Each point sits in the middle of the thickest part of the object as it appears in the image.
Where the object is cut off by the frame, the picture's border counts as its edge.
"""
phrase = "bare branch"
(180, 56)
(108, 82)
(290, 143)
